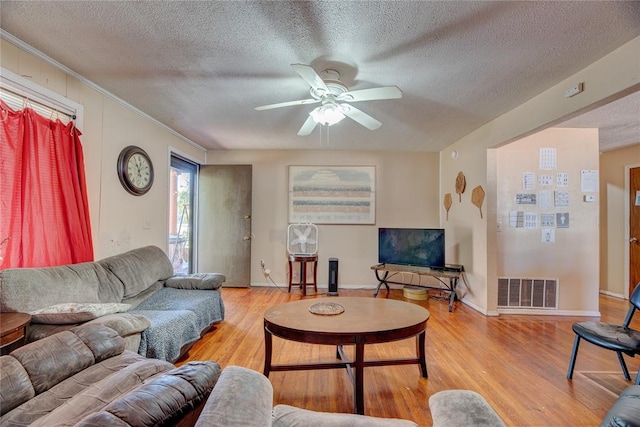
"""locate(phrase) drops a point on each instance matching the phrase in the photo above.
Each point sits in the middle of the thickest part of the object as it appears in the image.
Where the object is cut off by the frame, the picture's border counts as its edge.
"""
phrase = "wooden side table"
(13, 331)
(303, 260)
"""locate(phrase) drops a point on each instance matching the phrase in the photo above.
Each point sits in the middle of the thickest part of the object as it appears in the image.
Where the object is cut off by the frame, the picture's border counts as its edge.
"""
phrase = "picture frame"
(332, 194)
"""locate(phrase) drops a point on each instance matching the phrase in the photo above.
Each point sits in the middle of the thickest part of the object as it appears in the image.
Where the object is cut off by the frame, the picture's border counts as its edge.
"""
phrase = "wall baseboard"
(612, 294)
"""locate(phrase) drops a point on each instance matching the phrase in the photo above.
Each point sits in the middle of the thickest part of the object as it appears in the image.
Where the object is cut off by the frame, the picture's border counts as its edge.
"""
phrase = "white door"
(224, 222)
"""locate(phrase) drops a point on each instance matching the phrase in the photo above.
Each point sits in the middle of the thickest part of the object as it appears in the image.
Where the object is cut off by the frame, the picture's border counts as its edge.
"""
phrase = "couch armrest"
(241, 398)
(286, 416)
(201, 281)
(462, 408)
(625, 412)
(124, 324)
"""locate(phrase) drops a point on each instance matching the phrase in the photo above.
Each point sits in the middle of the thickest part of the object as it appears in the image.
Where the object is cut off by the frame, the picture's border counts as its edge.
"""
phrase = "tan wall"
(117, 218)
(609, 78)
(406, 196)
(573, 258)
(614, 218)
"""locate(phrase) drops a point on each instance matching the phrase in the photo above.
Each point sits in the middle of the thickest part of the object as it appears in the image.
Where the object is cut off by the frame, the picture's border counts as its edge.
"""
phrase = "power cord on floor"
(267, 275)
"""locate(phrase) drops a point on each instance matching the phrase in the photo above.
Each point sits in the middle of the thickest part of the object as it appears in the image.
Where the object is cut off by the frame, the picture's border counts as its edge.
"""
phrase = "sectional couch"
(159, 315)
(84, 377)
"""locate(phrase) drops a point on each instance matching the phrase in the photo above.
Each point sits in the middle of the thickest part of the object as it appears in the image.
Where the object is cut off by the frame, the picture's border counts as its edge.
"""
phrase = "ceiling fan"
(334, 98)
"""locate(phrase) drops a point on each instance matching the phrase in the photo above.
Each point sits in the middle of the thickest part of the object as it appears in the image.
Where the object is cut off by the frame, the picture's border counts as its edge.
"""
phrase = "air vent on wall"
(521, 292)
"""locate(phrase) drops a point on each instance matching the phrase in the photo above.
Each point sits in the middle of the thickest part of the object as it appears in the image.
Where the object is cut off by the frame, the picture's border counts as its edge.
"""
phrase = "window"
(18, 92)
(182, 193)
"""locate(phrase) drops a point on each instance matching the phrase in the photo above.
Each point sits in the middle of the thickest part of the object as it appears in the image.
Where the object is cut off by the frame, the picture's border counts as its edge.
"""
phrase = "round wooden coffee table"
(363, 321)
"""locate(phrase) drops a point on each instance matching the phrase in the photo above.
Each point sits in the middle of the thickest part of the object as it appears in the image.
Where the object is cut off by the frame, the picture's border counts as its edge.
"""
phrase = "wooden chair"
(619, 338)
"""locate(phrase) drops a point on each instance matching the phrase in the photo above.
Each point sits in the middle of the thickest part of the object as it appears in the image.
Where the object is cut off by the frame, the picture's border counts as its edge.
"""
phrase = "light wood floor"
(518, 363)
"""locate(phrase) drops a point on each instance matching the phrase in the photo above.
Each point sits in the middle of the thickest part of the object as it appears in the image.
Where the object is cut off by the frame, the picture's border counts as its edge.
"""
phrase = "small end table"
(303, 260)
(13, 331)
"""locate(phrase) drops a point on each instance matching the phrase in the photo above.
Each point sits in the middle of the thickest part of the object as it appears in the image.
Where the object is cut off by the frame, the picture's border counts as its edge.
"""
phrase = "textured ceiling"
(201, 67)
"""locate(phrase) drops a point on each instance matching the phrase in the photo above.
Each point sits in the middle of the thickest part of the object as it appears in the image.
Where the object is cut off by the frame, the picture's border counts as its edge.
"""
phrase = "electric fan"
(302, 239)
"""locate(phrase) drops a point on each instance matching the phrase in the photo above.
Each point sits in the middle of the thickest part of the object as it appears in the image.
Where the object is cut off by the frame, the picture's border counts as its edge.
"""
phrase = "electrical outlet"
(262, 264)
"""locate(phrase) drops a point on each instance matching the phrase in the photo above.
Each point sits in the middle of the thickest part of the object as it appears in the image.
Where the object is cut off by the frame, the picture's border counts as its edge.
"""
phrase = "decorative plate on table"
(326, 308)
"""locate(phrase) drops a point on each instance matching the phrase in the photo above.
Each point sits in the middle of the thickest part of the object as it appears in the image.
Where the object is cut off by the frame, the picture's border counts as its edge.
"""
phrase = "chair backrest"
(634, 299)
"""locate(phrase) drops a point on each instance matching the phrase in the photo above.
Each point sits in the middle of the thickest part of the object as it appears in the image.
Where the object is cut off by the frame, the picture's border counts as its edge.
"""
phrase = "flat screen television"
(420, 247)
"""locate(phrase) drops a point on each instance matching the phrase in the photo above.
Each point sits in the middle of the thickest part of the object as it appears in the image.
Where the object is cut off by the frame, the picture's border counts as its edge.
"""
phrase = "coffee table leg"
(358, 380)
(267, 351)
(420, 348)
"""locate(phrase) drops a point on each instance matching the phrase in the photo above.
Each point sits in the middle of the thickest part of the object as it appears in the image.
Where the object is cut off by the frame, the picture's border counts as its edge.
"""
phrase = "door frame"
(627, 231)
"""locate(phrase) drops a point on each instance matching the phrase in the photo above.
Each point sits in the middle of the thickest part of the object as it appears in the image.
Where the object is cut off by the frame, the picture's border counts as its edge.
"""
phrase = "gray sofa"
(244, 398)
(135, 293)
(85, 377)
(625, 412)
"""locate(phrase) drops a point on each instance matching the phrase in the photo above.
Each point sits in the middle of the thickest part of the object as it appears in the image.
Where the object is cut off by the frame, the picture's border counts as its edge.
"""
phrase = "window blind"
(18, 100)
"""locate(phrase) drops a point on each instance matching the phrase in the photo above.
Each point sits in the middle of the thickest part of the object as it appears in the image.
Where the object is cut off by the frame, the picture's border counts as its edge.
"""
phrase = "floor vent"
(521, 292)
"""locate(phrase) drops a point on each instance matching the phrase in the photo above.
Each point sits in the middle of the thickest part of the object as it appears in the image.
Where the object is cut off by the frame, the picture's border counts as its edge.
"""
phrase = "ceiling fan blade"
(308, 127)
(384, 92)
(287, 104)
(363, 118)
(310, 76)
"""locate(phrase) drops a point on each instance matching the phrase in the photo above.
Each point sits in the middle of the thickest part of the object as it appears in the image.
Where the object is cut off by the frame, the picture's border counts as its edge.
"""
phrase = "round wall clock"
(135, 170)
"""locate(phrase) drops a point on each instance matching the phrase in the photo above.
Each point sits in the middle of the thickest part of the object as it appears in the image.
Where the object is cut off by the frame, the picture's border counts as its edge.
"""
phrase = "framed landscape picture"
(332, 194)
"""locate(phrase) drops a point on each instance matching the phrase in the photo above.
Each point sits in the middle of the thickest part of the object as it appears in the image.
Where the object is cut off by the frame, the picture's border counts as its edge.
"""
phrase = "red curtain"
(44, 213)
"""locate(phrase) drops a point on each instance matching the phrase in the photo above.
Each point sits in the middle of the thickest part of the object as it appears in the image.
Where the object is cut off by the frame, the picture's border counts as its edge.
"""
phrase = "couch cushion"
(53, 359)
(162, 401)
(196, 281)
(207, 305)
(15, 386)
(43, 403)
(241, 398)
(139, 268)
(29, 289)
(124, 324)
(103, 342)
(72, 312)
(100, 394)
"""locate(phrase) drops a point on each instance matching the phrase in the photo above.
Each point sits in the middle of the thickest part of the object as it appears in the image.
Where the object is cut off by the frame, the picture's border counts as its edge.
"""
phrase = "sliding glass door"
(182, 194)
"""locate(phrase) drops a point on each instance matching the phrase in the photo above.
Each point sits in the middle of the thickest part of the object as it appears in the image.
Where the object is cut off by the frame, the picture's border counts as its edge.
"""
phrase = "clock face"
(139, 170)
(135, 170)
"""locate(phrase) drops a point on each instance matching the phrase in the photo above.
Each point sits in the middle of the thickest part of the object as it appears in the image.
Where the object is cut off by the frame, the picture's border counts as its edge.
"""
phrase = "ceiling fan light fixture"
(327, 114)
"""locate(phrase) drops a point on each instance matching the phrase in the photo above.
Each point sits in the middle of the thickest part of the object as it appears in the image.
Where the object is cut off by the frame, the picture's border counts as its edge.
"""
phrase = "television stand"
(386, 272)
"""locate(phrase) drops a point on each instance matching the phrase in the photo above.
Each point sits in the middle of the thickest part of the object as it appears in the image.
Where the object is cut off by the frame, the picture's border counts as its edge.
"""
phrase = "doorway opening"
(182, 199)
